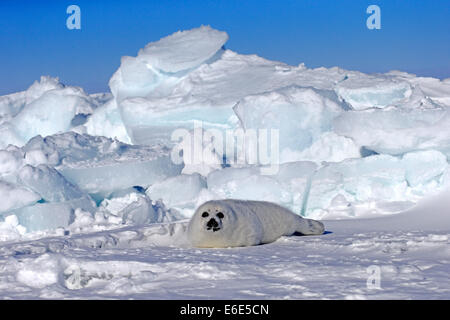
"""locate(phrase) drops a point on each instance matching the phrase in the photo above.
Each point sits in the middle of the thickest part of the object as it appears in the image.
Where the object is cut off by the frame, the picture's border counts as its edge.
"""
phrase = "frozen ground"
(95, 191)
(410, 249)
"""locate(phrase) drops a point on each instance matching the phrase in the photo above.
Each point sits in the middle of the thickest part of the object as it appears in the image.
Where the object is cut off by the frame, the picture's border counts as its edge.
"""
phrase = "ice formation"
(300, 114)
(179, 192)
(361, 91)
(350, 144)
(46, 107)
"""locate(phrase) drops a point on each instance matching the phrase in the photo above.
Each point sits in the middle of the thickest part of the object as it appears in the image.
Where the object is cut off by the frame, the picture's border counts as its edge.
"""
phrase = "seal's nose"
(212, 223)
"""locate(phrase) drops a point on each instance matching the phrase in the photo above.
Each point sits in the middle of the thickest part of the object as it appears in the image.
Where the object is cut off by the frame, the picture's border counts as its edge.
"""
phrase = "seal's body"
(235, 223)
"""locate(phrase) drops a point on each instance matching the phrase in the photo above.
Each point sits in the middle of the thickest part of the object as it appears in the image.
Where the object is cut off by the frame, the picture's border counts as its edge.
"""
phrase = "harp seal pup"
(237, 223)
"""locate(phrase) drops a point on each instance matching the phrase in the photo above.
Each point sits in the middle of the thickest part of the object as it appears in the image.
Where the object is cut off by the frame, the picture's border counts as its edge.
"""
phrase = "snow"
(41, 273)
(410, 249)
(94, 188)
(10, 229)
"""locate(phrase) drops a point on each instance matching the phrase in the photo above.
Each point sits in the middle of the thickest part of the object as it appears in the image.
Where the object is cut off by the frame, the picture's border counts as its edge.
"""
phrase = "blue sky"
(415, 35)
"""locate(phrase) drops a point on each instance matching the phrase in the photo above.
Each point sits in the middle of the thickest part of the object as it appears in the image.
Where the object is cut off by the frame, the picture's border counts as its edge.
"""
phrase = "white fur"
(246, 223)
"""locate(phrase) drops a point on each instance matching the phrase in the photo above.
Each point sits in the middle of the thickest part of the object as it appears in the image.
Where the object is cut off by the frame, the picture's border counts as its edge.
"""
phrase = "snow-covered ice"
(46, 107)
(410, 250)
(94, 205)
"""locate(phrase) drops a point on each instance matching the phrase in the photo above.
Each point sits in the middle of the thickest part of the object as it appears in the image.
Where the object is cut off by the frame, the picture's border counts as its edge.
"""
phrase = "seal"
(237, 223)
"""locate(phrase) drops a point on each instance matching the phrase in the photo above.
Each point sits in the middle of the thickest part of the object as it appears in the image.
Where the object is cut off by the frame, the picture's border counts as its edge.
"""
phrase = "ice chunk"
(50, 215)
(295, 170)
(38, 88)
(104, 179)
(47, 84)
(299, 114)
(119, 202)
(183, 49)
(57, 199)
(49, 183)
(397, 131)
(435, 89)
(150, 121)
(424, 166)
(10, 105)
(379, 183)
(136, 209)
(363, 91)
(49, 114)
(100, 166)
(296, 177)
(106, 121)
(139, 212)
(41, 151)
(13, 104)
(100, 99)
(379, 177)
(162, 63)
(10, 161)
(15, 196)
(289, 187)
(153, 103)
(133, 208)
(254, 187)
(36, 157)
(197, 151)
(353, 187)
(45, 108)
(180, 192)
(329, 147)
(133, 79)
(9, 136)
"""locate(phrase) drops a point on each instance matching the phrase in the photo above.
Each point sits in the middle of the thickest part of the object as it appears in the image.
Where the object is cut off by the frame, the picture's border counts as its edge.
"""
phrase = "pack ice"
(350, 144)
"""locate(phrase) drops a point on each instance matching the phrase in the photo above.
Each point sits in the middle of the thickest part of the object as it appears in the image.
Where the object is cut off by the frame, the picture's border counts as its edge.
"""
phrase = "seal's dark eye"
(205, 214)
(220, 215)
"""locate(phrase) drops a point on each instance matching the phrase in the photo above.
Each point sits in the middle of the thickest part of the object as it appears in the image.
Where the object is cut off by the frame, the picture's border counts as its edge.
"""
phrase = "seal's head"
(211, 225)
